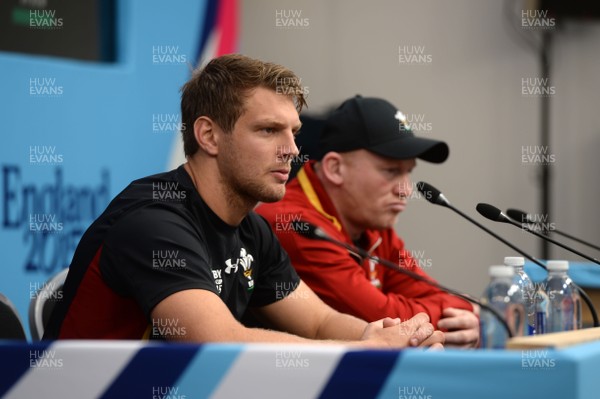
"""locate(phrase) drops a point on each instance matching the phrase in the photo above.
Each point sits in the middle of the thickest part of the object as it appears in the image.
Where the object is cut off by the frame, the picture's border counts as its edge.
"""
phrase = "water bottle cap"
(501, 271)
(514, 261)
(558, 265)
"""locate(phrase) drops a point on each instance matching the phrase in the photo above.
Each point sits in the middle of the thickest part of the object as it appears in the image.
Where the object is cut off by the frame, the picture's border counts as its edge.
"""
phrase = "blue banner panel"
(360, 374)
(153, 372)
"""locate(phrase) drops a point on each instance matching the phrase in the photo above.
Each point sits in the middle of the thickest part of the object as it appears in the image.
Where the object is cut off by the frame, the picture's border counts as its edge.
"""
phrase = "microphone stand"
(516, 214)
(319, 234)
(506, 219)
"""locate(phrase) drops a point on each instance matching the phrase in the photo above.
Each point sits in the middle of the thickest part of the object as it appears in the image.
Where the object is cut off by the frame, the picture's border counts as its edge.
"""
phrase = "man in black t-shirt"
(182, 256)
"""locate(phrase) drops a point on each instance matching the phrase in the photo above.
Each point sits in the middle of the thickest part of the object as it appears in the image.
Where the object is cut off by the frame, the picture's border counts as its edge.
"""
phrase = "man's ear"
(332, 167)
(206, 133)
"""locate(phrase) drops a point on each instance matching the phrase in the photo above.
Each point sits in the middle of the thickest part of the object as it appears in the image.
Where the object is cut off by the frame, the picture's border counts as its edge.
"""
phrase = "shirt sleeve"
(431, 298)
(276, 277)
(155, 252)
(342, 282)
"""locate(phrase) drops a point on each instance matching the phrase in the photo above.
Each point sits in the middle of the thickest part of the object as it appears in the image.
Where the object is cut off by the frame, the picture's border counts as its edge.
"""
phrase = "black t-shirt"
(158, 237)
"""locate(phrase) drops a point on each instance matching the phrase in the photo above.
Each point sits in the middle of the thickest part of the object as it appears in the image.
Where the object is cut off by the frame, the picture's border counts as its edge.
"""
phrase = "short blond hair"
(219, 90)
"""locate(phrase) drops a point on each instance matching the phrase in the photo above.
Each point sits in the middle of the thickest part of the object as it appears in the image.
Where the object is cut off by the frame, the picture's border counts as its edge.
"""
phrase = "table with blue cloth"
(132, 369)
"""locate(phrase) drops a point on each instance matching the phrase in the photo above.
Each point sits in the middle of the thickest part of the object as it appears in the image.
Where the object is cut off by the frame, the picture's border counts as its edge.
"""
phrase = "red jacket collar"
(320, 199)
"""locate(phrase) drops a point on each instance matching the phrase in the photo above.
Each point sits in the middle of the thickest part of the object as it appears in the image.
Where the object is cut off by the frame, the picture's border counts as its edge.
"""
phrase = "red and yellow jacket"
(343, 280)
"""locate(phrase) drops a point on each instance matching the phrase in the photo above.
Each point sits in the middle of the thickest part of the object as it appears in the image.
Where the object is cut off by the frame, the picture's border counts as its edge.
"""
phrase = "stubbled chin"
(274, 196)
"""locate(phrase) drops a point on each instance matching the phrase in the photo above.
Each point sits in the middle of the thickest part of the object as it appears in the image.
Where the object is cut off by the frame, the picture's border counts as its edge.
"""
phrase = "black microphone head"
(518, 215)
(309, 230)
(432, 194)
(491, 212)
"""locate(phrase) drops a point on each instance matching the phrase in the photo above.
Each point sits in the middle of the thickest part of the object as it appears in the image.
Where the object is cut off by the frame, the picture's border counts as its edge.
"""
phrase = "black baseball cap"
(376, 125)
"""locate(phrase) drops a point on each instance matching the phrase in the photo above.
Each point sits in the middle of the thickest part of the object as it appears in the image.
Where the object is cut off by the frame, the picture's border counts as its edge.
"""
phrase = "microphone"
(433, 195)
(316, 233)
(495, 214)
(519, 215)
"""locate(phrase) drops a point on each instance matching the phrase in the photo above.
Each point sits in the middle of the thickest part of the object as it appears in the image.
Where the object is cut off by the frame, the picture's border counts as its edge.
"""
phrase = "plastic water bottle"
(527, 290)
(542, 310)
(565, 302)
(505, 296)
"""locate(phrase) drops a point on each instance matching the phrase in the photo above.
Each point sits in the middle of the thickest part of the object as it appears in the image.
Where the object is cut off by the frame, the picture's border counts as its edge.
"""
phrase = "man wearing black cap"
(355, 193)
